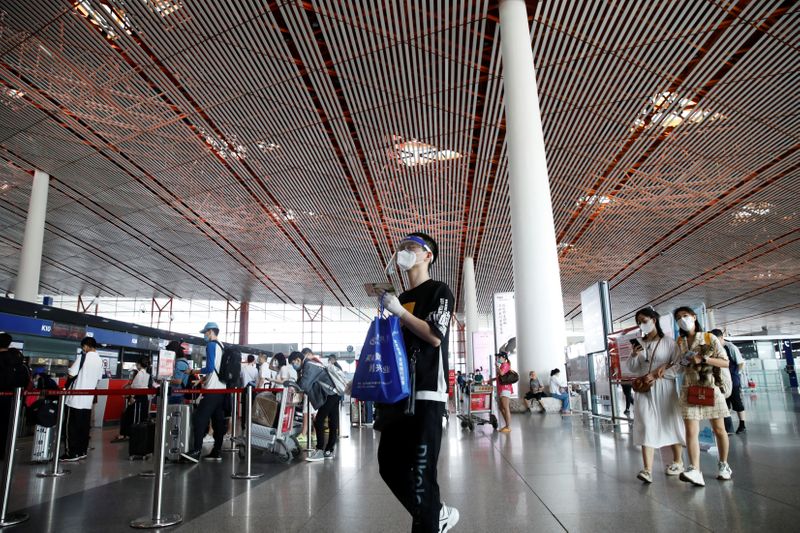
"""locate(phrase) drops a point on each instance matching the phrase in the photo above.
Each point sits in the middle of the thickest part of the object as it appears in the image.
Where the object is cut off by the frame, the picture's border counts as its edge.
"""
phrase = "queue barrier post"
(234, 415)
(157, 520)
(55, 471)
(307, 414)
(6, 518)
(248, 473)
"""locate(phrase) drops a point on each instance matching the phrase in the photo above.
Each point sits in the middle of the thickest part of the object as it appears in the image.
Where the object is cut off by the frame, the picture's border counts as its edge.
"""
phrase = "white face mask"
(686, 323)
(647, 327)
(406, 259)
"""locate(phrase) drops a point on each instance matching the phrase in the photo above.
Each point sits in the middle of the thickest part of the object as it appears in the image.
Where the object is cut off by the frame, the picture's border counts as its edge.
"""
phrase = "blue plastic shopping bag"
(382, 372)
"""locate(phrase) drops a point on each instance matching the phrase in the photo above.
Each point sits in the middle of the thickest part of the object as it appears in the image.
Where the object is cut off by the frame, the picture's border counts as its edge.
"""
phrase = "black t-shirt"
(432, 302)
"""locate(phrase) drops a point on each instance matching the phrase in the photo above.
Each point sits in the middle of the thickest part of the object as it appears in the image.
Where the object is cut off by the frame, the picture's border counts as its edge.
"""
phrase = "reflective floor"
(551, 473)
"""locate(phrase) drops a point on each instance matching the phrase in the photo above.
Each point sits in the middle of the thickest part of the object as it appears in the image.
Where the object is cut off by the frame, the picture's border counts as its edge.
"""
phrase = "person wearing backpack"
(316, 382)
(13, 374)
(211, 406)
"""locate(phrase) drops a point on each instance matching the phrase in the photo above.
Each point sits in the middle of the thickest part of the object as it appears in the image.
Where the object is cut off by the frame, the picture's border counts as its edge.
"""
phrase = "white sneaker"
(725, 471)
(675, 469)
(693, 476)
(448, 518)
(208, 439)
(645, 476)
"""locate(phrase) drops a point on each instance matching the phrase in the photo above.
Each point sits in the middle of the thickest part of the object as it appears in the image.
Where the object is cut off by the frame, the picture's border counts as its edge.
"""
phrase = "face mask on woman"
(686, 323)
(296, 366)
(647, 327)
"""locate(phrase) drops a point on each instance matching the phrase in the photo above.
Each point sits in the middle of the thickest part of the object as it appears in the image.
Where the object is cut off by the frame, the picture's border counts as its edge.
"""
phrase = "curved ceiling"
(277, 150)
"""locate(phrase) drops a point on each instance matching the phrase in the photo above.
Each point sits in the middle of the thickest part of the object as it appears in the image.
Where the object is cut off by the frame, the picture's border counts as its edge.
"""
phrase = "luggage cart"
(281, 440)
(479, 401)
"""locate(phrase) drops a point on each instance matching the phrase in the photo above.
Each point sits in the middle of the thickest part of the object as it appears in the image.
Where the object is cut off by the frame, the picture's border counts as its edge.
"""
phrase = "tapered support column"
(244, 321)
(30, 259)
(541, 335)
(470, 310)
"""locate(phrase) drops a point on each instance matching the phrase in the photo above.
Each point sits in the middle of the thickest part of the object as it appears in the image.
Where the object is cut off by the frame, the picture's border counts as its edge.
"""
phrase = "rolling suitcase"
(42, 444)
(142, 440)
(179, 431)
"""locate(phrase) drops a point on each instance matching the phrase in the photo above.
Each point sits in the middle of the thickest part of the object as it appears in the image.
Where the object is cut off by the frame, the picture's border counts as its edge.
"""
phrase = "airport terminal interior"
(346, 232)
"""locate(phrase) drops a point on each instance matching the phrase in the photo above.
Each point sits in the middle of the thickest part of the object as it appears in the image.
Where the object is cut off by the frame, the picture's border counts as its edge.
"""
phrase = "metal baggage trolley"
(479, 403)
(281, 440)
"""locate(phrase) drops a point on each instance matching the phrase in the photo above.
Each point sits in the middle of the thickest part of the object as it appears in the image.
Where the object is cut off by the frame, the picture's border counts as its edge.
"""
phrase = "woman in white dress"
(657, 422)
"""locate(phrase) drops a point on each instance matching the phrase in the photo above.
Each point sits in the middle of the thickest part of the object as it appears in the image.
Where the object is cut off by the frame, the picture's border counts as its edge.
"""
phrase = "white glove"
(393, 305)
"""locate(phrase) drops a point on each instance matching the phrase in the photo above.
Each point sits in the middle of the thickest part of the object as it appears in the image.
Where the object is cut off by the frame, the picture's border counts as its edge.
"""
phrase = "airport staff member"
(410, 444)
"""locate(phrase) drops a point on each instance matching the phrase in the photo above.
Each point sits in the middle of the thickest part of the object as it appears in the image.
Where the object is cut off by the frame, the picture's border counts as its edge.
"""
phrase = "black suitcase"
(142, 441)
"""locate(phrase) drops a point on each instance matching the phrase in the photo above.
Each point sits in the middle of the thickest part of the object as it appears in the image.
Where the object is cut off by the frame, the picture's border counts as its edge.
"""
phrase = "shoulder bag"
(640, 384)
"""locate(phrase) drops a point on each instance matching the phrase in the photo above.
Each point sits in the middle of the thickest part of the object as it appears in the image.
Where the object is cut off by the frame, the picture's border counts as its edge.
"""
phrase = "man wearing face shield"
(411, 442)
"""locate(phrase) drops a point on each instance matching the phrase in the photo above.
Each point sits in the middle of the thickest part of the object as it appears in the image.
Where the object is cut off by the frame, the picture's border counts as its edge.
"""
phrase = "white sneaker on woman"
(674, 469)
(693, 476)
(645, 476)
(725, 471)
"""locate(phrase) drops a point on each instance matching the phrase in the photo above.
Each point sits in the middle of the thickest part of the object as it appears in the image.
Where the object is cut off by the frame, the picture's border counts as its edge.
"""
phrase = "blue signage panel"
(26, 325)
(113, 338)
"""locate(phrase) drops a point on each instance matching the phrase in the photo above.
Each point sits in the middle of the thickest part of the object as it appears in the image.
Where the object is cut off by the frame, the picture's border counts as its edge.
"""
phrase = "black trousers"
(211, 407)
(78, 426)
(407, 457)
(329, 410)
(6, 404)
(627, 390)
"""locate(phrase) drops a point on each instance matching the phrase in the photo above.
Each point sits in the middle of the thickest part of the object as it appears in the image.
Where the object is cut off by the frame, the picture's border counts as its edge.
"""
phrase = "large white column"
(470, 309)
(30, 259)
(541, 335)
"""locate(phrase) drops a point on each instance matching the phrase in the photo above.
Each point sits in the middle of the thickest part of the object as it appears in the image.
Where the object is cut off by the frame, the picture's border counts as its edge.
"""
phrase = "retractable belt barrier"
(135, 392)
(156, 519)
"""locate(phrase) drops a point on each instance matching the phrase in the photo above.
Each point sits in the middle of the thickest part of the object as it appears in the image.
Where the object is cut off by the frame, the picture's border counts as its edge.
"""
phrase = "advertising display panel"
(596, 315)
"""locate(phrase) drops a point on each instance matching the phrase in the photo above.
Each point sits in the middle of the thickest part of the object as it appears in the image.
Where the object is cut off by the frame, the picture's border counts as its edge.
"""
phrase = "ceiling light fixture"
(753, 209)
(592, 200)
(668, 110)
(267, 146)
(223, 147)
(164, 7)
(117, 16)
(415, 153)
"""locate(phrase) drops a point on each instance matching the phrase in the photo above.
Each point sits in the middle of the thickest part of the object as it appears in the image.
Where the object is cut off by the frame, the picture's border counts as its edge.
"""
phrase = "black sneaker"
(190, 457)
(741, 430)
(213, 456)
(70, 458)
(329, 454)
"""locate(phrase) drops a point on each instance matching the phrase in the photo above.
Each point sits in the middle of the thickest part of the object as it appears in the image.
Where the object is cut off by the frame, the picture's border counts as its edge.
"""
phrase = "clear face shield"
(407, 254)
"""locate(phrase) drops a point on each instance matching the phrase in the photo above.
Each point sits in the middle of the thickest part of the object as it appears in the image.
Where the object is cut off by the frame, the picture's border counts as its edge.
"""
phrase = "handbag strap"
(652, 357)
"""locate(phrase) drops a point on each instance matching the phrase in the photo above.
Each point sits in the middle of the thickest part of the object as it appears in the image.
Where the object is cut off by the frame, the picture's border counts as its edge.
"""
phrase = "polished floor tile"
(551, 473)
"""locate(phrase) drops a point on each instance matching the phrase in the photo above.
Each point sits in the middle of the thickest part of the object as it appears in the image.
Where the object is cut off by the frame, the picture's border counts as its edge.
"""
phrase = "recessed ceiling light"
(753, 209)
(164, 7)
(224, 148)
(267, 146)
(99, 19)
(668, 110)
(414, 153)
(564, 246)
(592, 199)
(14, 94)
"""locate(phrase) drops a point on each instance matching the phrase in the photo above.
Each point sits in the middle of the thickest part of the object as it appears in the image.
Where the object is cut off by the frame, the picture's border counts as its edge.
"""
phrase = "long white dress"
(657, 420)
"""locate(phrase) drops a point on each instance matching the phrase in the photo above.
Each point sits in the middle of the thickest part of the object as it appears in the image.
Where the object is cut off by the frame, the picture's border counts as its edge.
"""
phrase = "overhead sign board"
(25, 325)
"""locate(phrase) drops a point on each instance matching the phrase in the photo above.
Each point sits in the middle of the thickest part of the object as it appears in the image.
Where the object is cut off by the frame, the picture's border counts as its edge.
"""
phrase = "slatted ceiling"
(394, 72)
